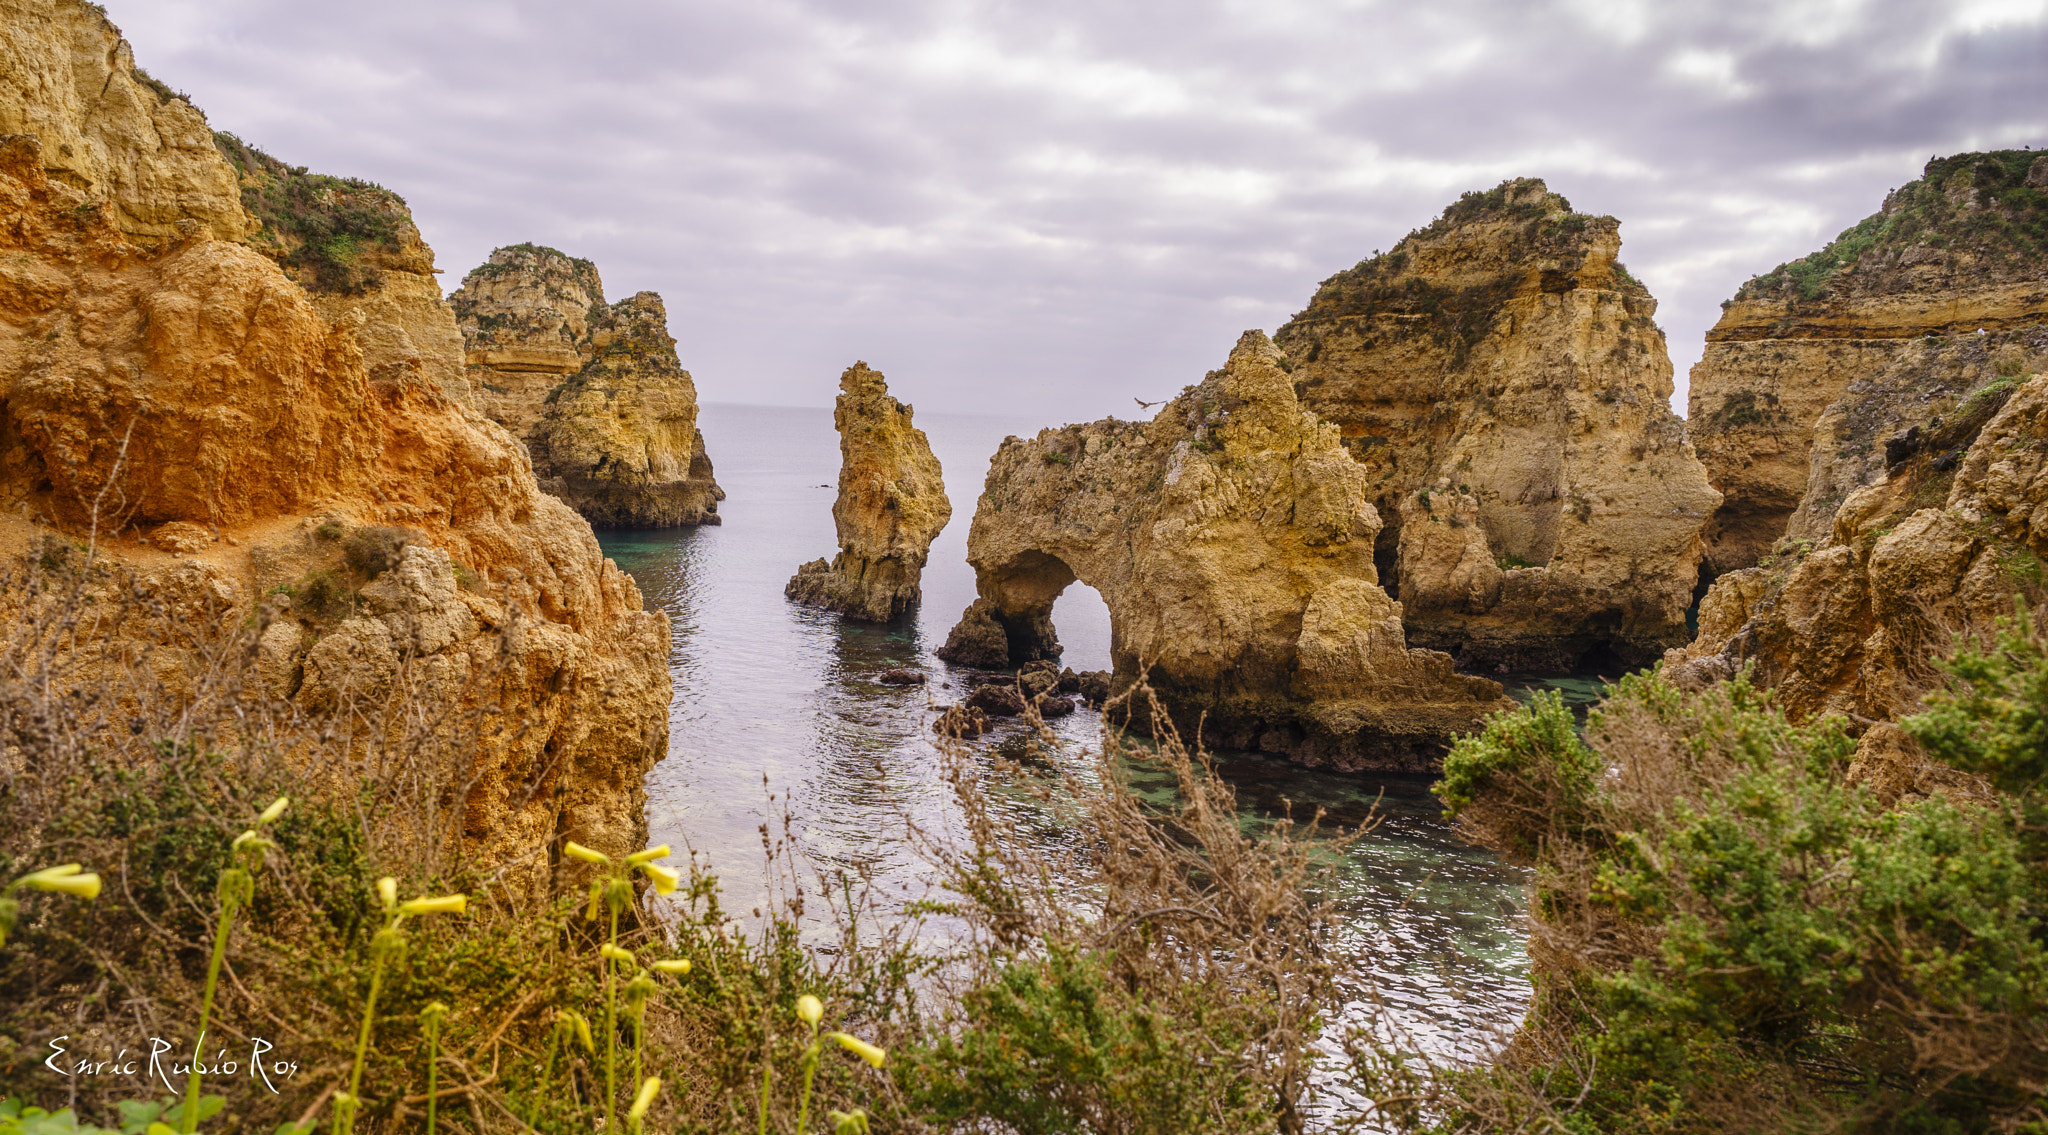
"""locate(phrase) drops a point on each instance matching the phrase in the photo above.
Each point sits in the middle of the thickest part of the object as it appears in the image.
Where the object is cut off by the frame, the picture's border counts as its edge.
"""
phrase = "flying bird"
(1144, 405)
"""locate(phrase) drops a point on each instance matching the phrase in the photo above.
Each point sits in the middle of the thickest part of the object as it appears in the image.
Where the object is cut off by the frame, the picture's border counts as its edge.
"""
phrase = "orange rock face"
(190, 389)
(1928, 497)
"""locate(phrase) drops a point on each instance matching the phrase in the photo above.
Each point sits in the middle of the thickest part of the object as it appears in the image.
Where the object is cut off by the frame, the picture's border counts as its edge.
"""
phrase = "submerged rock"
(960, 721)
(997, 701)
(594, 389)
(892, 504)
(1231, 538)
(902, 677)
(1946, 254)
(1504, 383)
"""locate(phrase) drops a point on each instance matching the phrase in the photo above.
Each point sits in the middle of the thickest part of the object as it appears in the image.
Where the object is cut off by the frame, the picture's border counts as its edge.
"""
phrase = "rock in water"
(595, 390)
(1505, 385)
(1946, 254)
(135, 325)
(892, 504)
(1231, 538)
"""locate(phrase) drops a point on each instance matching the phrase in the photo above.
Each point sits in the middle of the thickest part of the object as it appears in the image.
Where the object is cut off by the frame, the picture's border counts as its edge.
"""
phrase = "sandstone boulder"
(892, 504)
(1503, 382)
(1946, 254)
(1231, 538)
(595, 390)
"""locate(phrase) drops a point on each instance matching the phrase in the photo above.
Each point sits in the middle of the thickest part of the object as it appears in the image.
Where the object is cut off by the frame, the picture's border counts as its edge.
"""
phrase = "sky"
(1051, 207)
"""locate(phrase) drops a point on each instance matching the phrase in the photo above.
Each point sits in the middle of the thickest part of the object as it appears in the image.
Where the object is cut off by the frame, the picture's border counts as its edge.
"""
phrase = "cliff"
(595, 389)
(353, 247)
(1503, 382)
(1231, 538)
(1925, 502)
(128, 142)
(892, 504)
(182, 400)
(1957, 250)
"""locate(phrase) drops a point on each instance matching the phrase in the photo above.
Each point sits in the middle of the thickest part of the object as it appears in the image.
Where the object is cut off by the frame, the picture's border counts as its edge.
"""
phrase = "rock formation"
(1952, 252)
(595, 390)
(892, 504)
(1231, 538)
(1928, 487)
(1502, 382)
(183, 386)
(353, 247)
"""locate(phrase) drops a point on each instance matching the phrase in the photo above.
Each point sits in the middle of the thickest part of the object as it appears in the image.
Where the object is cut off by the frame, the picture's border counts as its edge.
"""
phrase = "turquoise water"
(775, 699)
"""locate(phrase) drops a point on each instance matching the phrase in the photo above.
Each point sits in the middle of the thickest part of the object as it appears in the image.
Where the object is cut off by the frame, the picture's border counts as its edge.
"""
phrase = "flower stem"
(611, 1029)
(345, 1122)
(433, 1059)
(189, 1121)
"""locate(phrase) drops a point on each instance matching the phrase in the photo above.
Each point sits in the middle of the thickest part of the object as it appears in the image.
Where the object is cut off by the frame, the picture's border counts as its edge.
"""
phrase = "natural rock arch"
(1231, 539)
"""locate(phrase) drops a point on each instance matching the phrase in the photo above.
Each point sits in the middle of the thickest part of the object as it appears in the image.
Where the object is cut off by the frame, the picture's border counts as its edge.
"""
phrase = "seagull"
(1144, 405)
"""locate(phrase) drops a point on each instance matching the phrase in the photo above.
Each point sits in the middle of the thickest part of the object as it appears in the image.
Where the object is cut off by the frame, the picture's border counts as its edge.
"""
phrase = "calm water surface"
(774, 698)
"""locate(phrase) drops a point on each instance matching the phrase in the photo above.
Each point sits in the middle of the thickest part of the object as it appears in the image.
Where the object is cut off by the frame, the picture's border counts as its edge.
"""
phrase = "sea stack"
(892, 504)
(1231, 538)
(595, 390)
(1951, 253)
(1502, 381)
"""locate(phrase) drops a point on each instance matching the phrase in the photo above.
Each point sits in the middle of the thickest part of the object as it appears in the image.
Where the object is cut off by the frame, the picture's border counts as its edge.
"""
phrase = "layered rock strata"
(1928, 494)
(1955, 251)
(594, 389)
(1502, 382)
(892, 504)
(1231, 538)
(186, 403)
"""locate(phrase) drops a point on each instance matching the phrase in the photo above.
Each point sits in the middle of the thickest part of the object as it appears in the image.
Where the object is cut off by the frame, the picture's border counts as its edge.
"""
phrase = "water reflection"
(773, 698)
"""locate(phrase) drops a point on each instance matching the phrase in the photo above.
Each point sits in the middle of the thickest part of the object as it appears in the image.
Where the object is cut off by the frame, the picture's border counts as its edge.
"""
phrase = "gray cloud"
(1048, 208)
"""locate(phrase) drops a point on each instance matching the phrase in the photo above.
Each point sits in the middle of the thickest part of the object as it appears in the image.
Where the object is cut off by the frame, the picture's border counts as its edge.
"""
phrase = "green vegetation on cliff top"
(329, 232)
(1991, 206)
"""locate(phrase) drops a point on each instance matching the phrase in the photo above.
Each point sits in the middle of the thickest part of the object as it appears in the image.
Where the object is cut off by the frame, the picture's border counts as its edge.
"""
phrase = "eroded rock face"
(1946, 254)
(109, 130)
(353, 247)
(892, 504)
(1928, 501)
(594, 389)
(1231, 538)
(188, 388)
(1503, 383)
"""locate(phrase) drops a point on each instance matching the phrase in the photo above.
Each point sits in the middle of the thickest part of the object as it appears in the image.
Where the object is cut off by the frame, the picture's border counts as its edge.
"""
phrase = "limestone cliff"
(596, 390)
(353, 247)
(1927, 500)
(1505, 386)
(1231, 538)
(108, 130)
(185, 388)
(892, 504)
(1957, 250)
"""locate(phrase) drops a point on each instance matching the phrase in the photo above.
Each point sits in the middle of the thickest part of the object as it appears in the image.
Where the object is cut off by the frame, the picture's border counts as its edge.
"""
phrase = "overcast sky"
(1050, 207)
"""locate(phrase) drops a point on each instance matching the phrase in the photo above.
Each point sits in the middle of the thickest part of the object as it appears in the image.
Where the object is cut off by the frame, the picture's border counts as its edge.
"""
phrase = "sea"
(781, 731)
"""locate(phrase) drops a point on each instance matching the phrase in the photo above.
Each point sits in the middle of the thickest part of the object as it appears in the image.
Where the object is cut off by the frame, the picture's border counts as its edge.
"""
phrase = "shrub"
(1730, 935)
